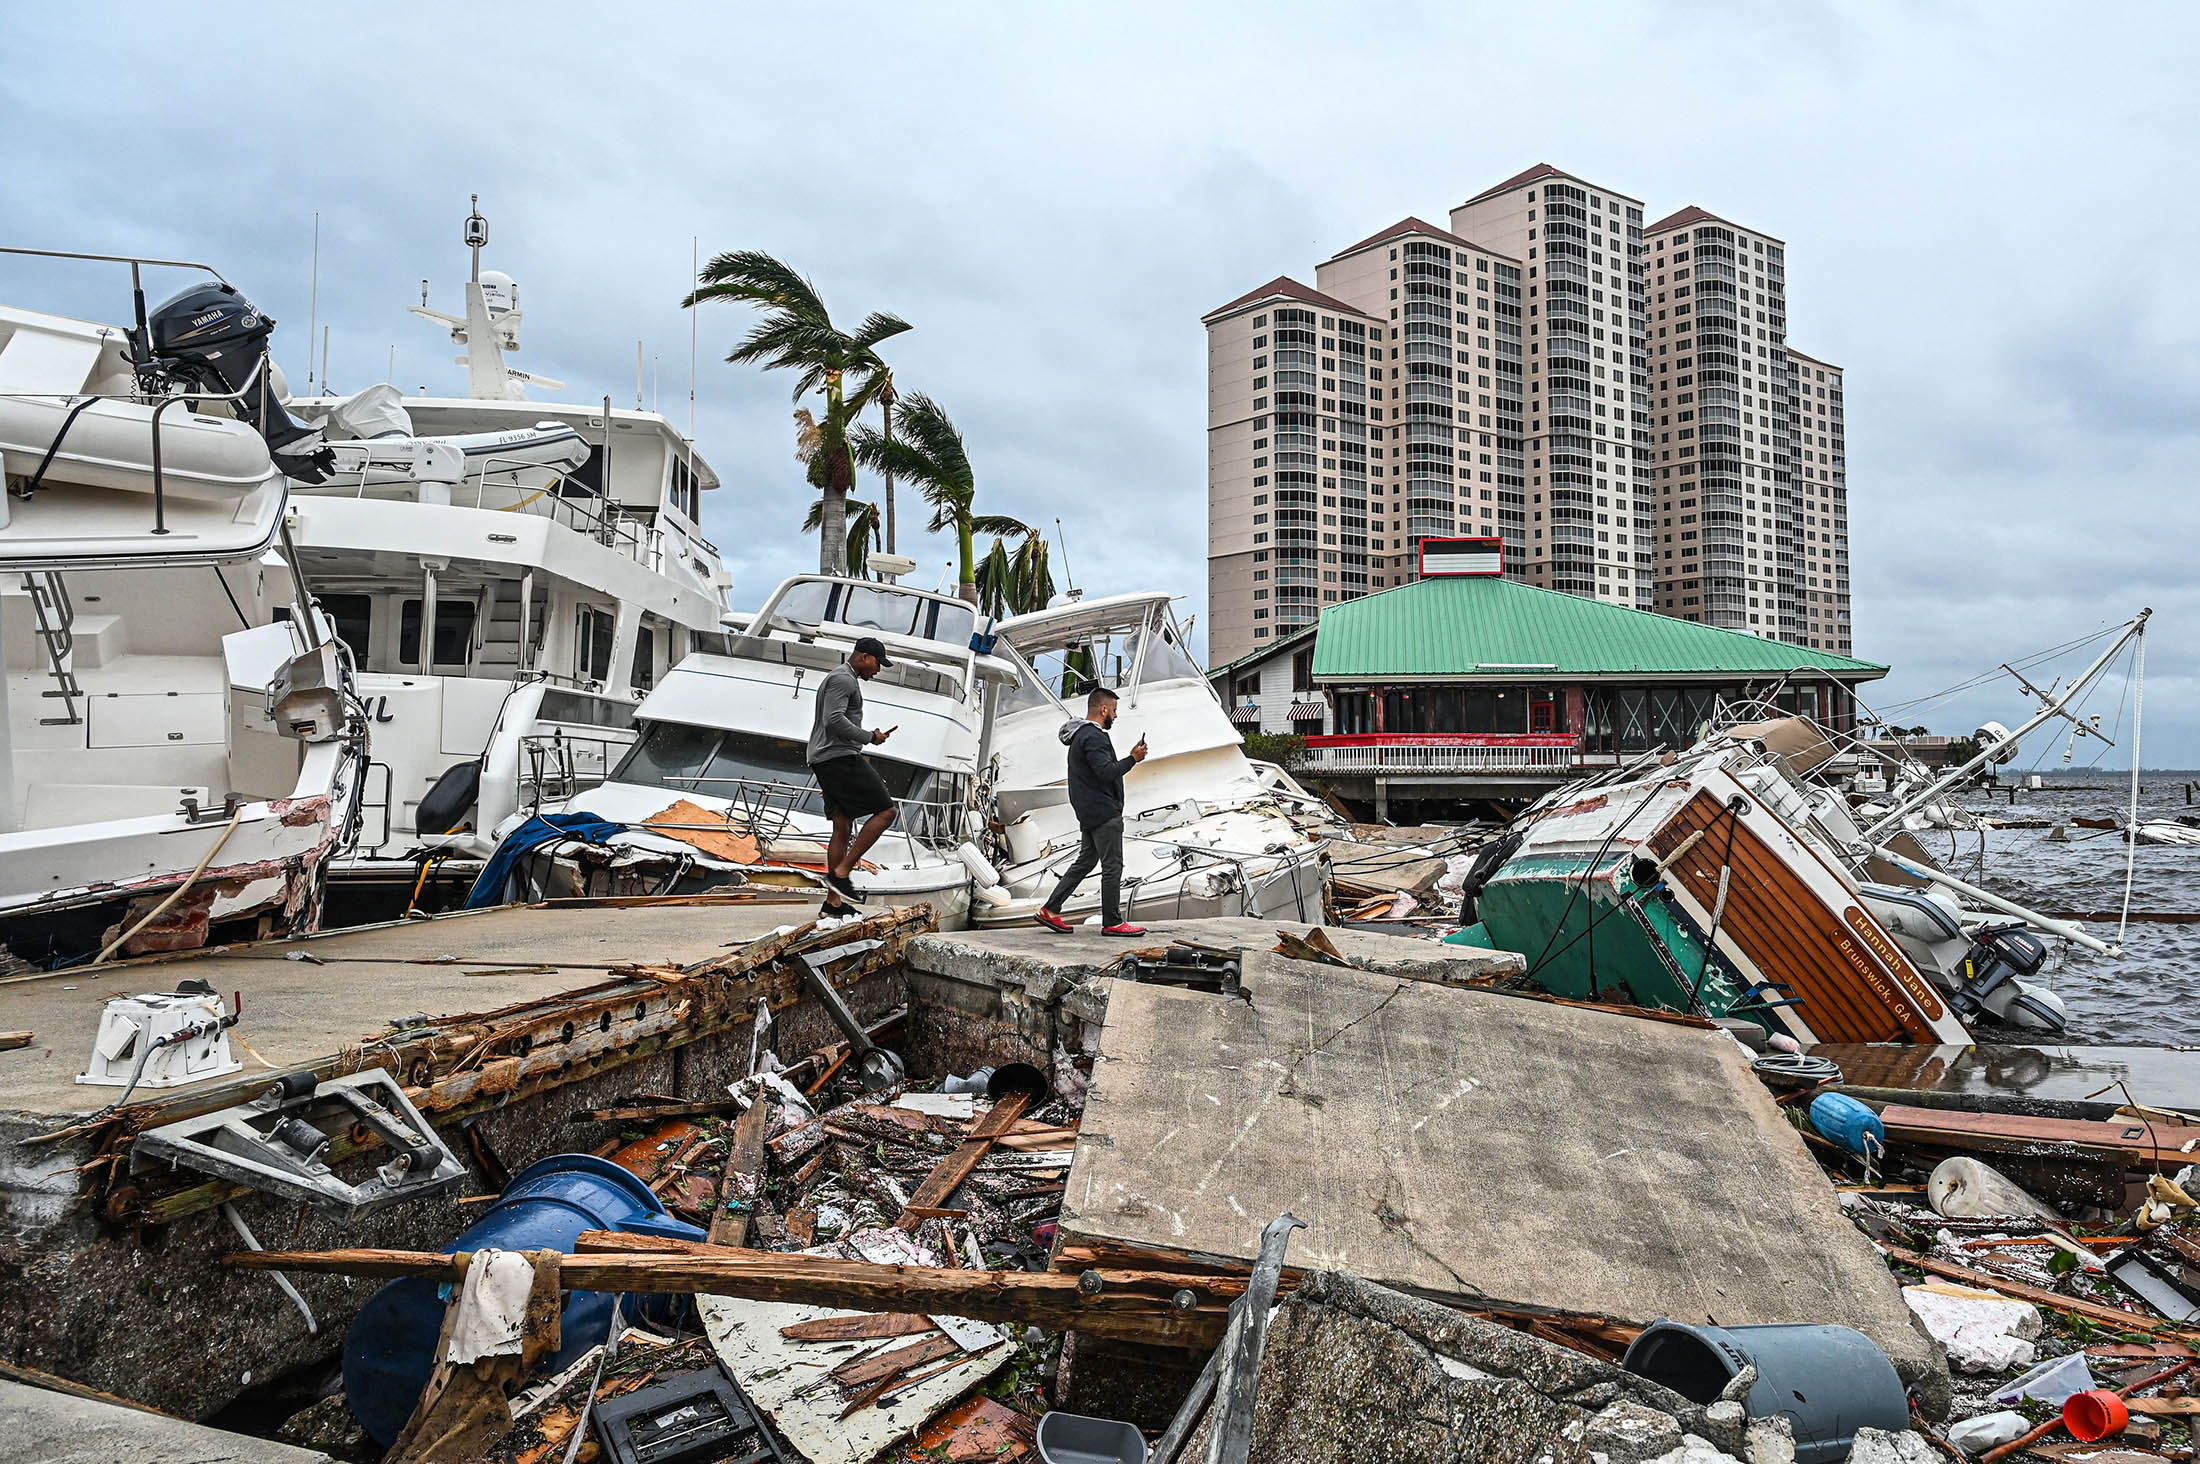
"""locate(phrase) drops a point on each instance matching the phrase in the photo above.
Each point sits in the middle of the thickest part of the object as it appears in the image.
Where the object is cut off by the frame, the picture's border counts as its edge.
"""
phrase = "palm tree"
(930, 454)
(863, 532)
(1015, 583)
(797, 334)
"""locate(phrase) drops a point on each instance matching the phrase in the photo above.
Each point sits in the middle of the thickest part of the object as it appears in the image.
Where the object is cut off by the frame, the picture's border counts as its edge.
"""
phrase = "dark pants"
(1102, 845)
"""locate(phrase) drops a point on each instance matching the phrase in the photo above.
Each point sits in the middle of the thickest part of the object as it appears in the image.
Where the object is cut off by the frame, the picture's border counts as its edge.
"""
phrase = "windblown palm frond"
(863, 532)
(797, 334)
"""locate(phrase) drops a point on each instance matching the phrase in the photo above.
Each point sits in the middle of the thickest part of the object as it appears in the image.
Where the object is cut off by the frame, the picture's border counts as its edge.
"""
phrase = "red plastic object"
(2094, 1415)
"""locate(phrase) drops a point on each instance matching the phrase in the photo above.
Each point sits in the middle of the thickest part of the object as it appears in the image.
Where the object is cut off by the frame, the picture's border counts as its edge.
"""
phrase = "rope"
(193, 878)
(2138, 715)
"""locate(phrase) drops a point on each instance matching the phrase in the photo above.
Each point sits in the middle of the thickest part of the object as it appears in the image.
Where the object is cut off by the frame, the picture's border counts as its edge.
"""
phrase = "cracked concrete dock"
(1460, 1143)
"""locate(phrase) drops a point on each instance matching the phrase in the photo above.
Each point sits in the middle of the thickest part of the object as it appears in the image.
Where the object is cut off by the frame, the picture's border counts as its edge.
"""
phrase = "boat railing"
(587, 512)
(764, 808)
(557, 764)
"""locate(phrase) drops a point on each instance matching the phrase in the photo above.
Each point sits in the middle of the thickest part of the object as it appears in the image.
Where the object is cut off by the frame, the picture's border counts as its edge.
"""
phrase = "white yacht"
(1206, 830)
(180, 755)
(555, 549)
(716, 791)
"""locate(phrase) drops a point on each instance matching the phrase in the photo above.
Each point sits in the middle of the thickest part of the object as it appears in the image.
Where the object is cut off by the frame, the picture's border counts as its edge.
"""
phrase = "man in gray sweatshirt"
(851, 787)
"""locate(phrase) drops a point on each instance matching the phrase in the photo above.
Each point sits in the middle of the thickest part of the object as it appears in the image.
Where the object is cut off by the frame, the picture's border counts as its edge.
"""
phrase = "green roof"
(1459, 626)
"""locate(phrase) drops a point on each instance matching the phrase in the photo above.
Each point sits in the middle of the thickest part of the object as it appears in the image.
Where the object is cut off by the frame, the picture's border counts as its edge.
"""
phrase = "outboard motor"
(2000, 956)
(213, 338)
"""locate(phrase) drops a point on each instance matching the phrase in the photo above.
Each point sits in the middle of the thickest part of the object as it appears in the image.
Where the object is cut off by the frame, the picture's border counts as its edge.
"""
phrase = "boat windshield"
(1146, 650)
(868, 606)
(722, 764)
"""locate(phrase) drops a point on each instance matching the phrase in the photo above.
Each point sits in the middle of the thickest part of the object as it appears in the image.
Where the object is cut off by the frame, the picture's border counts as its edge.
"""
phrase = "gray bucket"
(1072, 1438)
(1828, 1382)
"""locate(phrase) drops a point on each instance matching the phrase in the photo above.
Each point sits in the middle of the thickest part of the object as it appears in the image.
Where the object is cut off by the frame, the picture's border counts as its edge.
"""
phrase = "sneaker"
(846, 888)
(1053, 922)
(1125, 928)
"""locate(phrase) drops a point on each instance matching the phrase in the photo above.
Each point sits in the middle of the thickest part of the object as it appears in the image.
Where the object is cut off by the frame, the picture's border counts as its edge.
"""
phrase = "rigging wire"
(2131, 830)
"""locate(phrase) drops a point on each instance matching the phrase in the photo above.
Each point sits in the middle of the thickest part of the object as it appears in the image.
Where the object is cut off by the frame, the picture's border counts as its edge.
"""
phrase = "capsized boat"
(715, 791)
(1737, 879)
(181, 745)
(1206, 830)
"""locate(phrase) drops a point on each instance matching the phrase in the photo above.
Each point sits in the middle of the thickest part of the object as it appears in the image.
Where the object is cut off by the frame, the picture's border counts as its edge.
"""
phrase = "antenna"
(1061, 535)
(313, 311)
(637, 376)
(423, 294)
(695, 273)
(324, 358)
(391, 373)
(477, 236)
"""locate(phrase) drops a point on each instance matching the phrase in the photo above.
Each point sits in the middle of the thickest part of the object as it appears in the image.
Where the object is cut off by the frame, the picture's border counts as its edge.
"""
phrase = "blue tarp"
(532, 835)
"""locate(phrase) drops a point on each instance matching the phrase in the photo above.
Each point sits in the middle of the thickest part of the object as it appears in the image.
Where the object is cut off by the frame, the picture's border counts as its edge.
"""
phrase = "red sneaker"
(1053, 922)
(1126, 928)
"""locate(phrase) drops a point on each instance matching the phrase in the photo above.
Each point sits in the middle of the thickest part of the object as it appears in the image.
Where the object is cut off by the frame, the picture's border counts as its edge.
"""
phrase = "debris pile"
(2050, 1248)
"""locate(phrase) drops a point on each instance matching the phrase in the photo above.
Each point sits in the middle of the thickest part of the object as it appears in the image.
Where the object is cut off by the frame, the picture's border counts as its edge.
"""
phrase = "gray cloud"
(1985, 205)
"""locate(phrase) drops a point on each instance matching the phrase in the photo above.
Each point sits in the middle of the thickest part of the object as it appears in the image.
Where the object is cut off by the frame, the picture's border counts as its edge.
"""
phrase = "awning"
(1309, 711)
(1244, 715)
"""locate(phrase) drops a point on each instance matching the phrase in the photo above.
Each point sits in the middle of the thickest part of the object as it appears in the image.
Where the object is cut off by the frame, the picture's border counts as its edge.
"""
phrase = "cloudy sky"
(1989, 213)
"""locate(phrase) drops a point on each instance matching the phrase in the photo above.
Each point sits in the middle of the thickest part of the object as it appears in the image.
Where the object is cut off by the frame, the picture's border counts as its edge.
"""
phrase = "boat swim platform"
(306, 998)
(1469, 1145)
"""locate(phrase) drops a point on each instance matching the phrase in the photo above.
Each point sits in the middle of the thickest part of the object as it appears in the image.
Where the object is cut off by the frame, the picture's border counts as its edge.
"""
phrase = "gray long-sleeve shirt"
(837, 728)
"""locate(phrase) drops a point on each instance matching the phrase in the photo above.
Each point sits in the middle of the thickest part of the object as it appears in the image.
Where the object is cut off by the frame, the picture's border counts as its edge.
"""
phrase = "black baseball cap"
(871, 646)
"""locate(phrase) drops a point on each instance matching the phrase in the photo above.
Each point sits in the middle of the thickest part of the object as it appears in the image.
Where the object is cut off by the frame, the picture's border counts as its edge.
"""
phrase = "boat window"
(454, 633)
(806, 602)
(954, 624)
(352, 617)
(1031, 689)
(592, 645)
(735, 765)
(1165, 658)
(645, 660)
(579, 707)
(876, 608)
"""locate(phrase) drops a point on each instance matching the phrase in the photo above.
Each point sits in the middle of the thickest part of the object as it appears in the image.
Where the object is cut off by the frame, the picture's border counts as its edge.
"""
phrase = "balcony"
(1440, 754)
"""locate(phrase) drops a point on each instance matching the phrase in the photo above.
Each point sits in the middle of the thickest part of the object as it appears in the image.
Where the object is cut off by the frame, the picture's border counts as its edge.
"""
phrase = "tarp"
(543, 828)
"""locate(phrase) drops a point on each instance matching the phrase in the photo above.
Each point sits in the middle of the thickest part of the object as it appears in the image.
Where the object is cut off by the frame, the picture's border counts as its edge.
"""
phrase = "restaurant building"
(1462, 685)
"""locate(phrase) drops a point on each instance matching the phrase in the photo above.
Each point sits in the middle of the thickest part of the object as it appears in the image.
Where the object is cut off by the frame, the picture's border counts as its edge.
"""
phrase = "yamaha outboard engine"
(213, 338)
(1993, 969)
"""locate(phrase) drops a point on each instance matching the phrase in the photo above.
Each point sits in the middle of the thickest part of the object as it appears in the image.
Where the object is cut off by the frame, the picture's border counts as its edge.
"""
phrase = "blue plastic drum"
(390, 1350)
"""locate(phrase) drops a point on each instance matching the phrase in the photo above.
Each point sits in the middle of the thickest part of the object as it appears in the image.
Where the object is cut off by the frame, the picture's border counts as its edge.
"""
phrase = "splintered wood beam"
(947, 1176)
(2038, 1296)
(1173, 1310)
(744, 1177)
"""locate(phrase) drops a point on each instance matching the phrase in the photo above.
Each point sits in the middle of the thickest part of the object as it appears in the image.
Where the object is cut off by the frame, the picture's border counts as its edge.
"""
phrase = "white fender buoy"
(981, 868)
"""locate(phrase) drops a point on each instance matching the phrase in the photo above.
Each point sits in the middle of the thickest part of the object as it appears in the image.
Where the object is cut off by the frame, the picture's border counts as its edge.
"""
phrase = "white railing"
(1447, 758)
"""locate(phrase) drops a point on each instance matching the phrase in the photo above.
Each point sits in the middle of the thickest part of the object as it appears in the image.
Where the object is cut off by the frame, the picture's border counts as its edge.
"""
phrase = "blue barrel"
(1828, 1382)
(390, 1350)
(1846, 1122)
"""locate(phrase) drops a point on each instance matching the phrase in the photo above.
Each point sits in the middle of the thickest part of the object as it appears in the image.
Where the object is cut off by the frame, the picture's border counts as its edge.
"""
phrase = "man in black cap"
(851, 787)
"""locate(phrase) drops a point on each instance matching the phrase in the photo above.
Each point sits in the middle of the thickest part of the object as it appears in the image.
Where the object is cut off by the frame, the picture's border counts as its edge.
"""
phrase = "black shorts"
(851, 787)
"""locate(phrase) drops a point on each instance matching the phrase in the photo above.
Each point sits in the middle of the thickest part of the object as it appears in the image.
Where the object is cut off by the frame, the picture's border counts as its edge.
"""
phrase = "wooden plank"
(1134, 1306)
(861, 1372)
(2131, 1142)
(2165, 1407)
(10, 1040)
(744, 1177)
(947, 1175)
(2091, 1310)
(859, 1328)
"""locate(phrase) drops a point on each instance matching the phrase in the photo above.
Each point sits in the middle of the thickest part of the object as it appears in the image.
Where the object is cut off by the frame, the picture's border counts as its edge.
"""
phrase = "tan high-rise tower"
(1616, 403)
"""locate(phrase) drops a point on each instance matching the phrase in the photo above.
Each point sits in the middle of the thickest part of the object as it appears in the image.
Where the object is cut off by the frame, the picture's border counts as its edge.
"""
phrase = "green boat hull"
(1642, 948)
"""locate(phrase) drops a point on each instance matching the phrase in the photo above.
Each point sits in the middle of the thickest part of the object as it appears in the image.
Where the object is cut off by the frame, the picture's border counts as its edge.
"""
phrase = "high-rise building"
(1720, 387)
(1616, 403)
(1289, 382)
(1581, 246)
(1821, 484)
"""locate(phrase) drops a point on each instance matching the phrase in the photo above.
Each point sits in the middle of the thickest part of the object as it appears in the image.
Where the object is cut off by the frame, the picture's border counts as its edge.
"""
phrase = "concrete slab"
(1047, 963)
(40, 1427)
(1468, 1145)
(359, 981)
